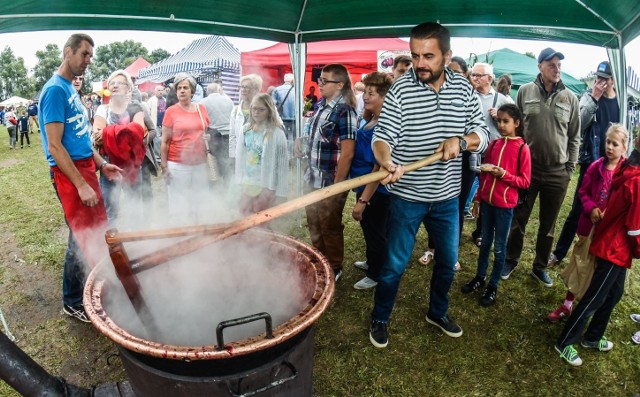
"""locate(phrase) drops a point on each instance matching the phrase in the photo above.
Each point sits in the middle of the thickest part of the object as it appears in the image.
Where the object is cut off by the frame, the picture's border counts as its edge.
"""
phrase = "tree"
(158, 55)
(48, 62)
(114, 56)
(13, 76)
(531, 55)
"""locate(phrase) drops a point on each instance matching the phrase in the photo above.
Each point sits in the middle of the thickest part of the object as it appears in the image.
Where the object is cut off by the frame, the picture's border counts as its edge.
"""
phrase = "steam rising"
(189, 296)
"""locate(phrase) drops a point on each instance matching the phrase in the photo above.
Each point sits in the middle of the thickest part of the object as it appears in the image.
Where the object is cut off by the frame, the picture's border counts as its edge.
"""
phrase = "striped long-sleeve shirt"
(415, 120)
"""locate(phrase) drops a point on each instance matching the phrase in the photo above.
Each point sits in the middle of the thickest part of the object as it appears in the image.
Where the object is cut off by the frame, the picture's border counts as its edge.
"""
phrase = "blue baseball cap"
(548, 53)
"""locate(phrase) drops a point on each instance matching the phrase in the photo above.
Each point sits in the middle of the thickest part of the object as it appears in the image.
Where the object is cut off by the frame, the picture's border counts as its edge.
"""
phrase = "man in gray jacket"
(219, 107)
(552, 131)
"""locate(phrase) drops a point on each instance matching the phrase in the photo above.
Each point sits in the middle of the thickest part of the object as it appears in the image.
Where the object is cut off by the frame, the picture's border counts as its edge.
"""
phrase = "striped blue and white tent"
(207, 59)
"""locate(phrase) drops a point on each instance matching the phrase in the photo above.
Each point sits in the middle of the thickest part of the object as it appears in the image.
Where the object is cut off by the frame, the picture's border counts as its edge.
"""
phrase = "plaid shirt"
(333, 122)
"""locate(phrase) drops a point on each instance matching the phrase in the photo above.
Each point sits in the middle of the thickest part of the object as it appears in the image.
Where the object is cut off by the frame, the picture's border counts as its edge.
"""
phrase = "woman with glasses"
(250, 86)
(262, 157)
(183, 154)
(119, 111)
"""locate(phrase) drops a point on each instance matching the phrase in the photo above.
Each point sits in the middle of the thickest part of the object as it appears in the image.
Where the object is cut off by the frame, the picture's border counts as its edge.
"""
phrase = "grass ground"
(506, 350)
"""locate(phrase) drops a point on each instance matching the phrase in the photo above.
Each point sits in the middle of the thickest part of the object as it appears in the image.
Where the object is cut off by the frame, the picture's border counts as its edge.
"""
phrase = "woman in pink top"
(183, 153)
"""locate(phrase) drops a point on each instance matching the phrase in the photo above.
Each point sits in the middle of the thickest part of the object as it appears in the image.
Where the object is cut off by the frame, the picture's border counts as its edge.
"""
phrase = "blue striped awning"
(213, 53)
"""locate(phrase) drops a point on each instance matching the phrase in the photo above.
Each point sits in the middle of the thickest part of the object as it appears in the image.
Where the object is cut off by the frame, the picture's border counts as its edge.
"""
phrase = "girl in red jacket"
(616, 241)
(507, 169)
(594, 195)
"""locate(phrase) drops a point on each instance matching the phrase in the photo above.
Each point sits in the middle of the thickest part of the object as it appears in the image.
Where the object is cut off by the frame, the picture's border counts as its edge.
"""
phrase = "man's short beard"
(435, 75)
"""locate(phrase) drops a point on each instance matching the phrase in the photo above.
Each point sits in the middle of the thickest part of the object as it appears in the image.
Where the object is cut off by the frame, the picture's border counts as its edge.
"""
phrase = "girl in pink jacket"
(506, 171)
(594, 194)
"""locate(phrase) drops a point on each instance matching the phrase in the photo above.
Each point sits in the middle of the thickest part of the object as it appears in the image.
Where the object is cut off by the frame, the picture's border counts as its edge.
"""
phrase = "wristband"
(361, 201)
(103, 165)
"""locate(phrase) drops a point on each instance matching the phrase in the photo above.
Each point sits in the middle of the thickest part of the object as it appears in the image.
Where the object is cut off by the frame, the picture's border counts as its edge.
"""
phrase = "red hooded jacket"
(617, 236)
(502, 191)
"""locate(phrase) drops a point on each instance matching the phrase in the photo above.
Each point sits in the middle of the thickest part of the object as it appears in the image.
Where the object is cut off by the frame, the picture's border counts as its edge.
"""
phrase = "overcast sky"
(579, 61)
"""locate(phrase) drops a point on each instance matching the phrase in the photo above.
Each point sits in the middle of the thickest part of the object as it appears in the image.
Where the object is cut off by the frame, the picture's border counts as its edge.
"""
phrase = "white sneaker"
(362, 265)
(635, 318)
(365, 283)
(427, 257)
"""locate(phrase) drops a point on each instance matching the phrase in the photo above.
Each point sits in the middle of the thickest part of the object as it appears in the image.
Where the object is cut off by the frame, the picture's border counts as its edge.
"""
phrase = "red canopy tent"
(133, 70)
(360, 56)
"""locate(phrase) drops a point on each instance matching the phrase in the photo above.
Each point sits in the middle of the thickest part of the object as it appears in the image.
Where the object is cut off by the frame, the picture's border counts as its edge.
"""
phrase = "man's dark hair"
(76, 39)
(406, 59)
(433, 30)
(462, 63)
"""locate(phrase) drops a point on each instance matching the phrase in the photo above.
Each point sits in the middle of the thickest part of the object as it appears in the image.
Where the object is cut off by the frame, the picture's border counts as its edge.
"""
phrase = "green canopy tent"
(522, 68)
(595, 22)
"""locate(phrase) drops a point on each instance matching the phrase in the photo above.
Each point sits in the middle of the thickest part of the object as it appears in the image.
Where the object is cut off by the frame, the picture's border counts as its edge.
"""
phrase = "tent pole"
(618, 63)
(298, 54)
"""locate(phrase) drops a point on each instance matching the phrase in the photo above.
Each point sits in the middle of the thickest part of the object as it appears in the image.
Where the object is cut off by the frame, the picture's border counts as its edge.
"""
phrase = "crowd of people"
(497, 157)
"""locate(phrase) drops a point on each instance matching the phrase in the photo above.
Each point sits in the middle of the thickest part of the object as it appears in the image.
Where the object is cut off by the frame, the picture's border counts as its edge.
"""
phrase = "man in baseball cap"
(548, 53)
(552, 131)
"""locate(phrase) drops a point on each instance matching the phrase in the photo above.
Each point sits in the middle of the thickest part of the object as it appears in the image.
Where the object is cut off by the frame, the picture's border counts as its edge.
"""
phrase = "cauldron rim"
(325, 286)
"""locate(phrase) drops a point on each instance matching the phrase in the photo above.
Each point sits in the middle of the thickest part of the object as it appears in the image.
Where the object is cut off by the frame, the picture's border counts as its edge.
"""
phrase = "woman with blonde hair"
(250, 86)
(118, 112)
(183, 153)
(261, 158)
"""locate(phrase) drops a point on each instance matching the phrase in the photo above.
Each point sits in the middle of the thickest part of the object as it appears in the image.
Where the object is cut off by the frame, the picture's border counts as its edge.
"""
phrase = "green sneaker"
(603, 344)
(570, 355)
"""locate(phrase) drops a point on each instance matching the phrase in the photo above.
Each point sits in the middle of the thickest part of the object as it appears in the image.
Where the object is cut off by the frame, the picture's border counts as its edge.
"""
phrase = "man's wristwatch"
(463, 144)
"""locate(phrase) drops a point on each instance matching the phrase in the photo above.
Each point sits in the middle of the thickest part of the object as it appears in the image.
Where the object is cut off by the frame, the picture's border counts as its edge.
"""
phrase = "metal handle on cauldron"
(275, 383)
(244, 320)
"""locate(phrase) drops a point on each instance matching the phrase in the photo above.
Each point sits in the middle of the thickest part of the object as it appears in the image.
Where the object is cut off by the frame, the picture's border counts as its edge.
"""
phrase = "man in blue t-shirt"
(73, 160)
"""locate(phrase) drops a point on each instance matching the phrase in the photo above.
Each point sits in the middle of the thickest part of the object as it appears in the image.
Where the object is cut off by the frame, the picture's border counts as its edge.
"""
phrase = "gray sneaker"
(365, 283)
(603, 344)
(362, 265)
(507, 270)
(543, 277)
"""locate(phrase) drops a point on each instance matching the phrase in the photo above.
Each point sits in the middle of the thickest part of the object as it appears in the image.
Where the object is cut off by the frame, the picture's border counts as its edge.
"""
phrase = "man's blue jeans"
(496, 223)
(441, 221)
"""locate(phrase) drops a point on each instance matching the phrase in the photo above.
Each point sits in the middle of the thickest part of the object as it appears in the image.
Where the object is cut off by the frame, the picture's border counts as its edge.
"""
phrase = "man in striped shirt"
(430, 109)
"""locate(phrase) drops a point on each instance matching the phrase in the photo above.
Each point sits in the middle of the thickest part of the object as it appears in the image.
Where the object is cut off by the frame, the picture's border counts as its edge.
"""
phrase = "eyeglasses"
(323, 81)
(115, 83)
(478, 75)
(79, 78)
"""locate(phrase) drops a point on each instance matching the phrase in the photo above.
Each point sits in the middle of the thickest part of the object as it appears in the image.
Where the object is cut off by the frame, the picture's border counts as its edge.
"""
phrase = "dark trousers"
(374, 228)
(552, 187)
(604, 292)
(570, 226)
(465, 189)
(24, 134)
(326, 229)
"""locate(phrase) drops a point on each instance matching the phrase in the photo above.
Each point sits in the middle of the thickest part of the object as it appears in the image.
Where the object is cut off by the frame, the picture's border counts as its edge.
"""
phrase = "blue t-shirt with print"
(60, 103)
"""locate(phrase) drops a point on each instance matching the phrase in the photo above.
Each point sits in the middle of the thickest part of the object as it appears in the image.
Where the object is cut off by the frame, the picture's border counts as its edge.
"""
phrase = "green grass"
(506, 350)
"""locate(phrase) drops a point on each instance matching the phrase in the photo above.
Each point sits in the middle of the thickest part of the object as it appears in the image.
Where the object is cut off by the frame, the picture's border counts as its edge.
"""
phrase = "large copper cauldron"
(277, 362)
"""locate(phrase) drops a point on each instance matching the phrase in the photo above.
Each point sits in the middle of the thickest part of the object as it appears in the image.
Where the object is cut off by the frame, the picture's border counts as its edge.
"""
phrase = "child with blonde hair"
(594, 194)
(616, 242)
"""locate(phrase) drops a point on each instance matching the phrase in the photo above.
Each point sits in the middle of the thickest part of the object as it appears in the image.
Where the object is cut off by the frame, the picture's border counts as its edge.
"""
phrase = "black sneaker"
(76, 312)
(543, 277)
(447, 325)
(378, 334)
(489, 297)
(507, 270)
(474, 284)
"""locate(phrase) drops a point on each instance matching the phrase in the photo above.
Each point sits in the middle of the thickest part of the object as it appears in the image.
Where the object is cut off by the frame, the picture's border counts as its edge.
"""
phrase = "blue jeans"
(73, 274)
(496, 223)
(441, 221)
(472, 193)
